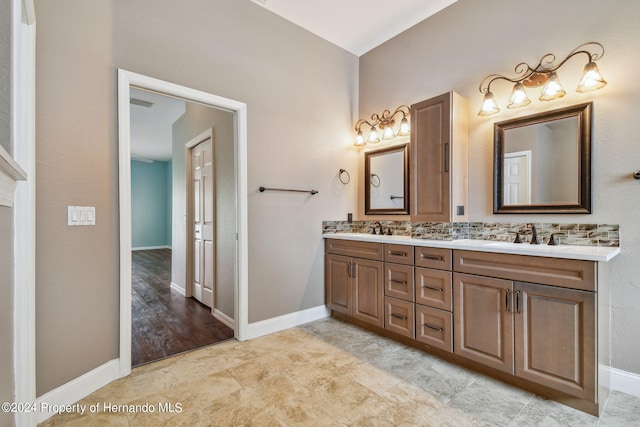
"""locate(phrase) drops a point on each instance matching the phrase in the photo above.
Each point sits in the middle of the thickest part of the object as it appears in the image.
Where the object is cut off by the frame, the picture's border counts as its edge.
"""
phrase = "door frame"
(127, 80)
(189, 146)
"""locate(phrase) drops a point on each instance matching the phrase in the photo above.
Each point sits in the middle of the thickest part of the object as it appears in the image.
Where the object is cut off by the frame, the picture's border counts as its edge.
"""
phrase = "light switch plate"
(81, 215)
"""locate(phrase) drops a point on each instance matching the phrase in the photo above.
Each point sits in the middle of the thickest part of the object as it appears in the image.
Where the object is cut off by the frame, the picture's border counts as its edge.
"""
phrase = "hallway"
(165, 323)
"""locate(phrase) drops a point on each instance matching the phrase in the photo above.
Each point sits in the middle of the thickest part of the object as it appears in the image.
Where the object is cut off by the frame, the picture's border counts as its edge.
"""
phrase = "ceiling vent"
(140, 102)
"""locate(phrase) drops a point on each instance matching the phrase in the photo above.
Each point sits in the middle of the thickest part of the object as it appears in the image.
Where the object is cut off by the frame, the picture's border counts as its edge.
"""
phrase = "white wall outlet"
(81, 215)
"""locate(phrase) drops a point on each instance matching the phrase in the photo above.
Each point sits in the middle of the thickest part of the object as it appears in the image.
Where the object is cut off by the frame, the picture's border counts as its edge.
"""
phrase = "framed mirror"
(542, 163)
(386, 181)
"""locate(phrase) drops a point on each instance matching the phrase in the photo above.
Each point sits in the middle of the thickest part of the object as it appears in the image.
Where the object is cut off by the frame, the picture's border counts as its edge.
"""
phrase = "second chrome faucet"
(534, 234)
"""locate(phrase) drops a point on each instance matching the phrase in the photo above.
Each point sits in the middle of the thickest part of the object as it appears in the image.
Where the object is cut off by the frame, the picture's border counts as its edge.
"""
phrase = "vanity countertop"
(588, 253)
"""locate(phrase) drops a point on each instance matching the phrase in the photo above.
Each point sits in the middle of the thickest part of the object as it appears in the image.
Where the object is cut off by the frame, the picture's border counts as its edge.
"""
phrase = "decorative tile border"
(567, 234)
(398, 228)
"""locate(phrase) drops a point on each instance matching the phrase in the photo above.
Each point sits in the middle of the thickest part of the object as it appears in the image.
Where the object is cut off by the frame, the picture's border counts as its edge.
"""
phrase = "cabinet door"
(368, 292)
(337, 283)
(398, 281)
(483, 326)
(430, 159)
(433, 288)
(399, 317)
(556, 338)
(433, 327)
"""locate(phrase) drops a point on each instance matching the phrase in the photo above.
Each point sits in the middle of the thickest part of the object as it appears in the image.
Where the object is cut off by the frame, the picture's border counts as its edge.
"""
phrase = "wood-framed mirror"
(542, 162)
(386, 181)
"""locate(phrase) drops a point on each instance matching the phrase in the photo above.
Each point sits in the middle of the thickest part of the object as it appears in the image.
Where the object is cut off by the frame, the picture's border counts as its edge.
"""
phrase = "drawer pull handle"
(435, 328)
(402, 282)
(431, 257)
(398, 253)
(517, 301)
(398, 316)
(507, 300)
(432, 288)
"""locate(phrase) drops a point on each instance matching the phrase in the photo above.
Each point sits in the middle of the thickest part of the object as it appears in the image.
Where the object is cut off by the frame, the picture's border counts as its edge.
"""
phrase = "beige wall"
(76, 164)
(197, 119)
(6, 310)
(456, 48)
(300, 93)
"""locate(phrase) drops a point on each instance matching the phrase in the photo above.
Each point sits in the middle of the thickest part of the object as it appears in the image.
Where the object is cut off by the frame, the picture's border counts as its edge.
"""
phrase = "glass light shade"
(404, 127)
(552, 89)
(360, 142)
(519, 97)
(373, 136)
(591, 79)
(489, 105)
(388, 133)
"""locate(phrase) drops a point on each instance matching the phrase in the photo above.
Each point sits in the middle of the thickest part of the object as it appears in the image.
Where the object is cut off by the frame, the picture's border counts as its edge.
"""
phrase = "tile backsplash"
(567, 234)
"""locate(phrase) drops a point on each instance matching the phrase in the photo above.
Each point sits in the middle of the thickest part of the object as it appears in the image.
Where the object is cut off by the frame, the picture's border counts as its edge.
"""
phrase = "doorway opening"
(158, 275)
(173, 306)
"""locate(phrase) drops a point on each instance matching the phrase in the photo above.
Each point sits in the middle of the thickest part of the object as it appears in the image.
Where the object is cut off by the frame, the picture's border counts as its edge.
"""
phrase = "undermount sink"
(553, 248)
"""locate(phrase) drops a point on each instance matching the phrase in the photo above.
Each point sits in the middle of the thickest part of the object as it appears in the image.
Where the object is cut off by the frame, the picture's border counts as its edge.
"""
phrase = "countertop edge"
(585, 253)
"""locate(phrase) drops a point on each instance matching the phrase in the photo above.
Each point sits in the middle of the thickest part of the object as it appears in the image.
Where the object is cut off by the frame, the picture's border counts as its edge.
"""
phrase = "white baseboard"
(625, 382)
(228, 321)
(179, 289)
(76, 389)
(148, 248)
(280, 323)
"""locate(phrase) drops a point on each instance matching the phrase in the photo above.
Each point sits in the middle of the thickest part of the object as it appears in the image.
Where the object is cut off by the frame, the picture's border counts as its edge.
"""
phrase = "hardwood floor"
(165, 323)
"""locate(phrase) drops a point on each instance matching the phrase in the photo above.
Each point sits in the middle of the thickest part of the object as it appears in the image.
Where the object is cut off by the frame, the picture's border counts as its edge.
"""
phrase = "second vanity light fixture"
(544, 74)
(385, 122)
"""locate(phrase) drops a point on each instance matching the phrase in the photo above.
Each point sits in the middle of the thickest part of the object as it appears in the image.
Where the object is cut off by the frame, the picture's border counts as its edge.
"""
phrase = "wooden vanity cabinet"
(439, 159)
(354, 280)
(545, 334)
(527, 320)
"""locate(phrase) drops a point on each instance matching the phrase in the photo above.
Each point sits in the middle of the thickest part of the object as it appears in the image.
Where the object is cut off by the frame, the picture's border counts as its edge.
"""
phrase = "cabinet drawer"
(399, 317)
(399, 254)
(398, 281)
(434, 327)
(433, 288)
(437, 258)
(354, 248)
(565, 273)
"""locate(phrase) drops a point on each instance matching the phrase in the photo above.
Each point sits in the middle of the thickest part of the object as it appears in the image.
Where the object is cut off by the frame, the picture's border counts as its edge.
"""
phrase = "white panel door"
(517, 178)
(203, 220)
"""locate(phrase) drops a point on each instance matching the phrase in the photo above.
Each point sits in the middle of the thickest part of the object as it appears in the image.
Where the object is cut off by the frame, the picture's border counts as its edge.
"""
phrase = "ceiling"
(151, 126)
(355, 25)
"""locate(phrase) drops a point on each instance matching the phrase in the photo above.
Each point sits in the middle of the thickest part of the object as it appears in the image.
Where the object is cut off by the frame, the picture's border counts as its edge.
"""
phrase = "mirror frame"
(404, 148)
(584, 114)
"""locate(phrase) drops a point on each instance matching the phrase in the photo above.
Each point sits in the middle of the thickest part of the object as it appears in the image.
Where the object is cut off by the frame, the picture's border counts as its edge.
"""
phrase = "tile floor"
(325, 373)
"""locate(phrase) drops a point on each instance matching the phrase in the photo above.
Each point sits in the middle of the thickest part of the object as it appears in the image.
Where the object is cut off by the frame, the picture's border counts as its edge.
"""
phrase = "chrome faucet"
(377, 224)
(534, 234)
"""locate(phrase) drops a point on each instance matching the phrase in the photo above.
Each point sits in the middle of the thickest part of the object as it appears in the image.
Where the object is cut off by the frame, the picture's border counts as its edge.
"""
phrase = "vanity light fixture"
(544, 74)
(385, 122)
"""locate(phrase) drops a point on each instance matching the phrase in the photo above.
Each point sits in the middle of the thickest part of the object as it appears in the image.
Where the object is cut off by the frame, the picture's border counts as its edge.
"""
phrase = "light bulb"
(519, 97)
(360, 140)
(591, 79)
(552, 89)
(404, 127)
(388, 133)
(373, 136)
(489, 105)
